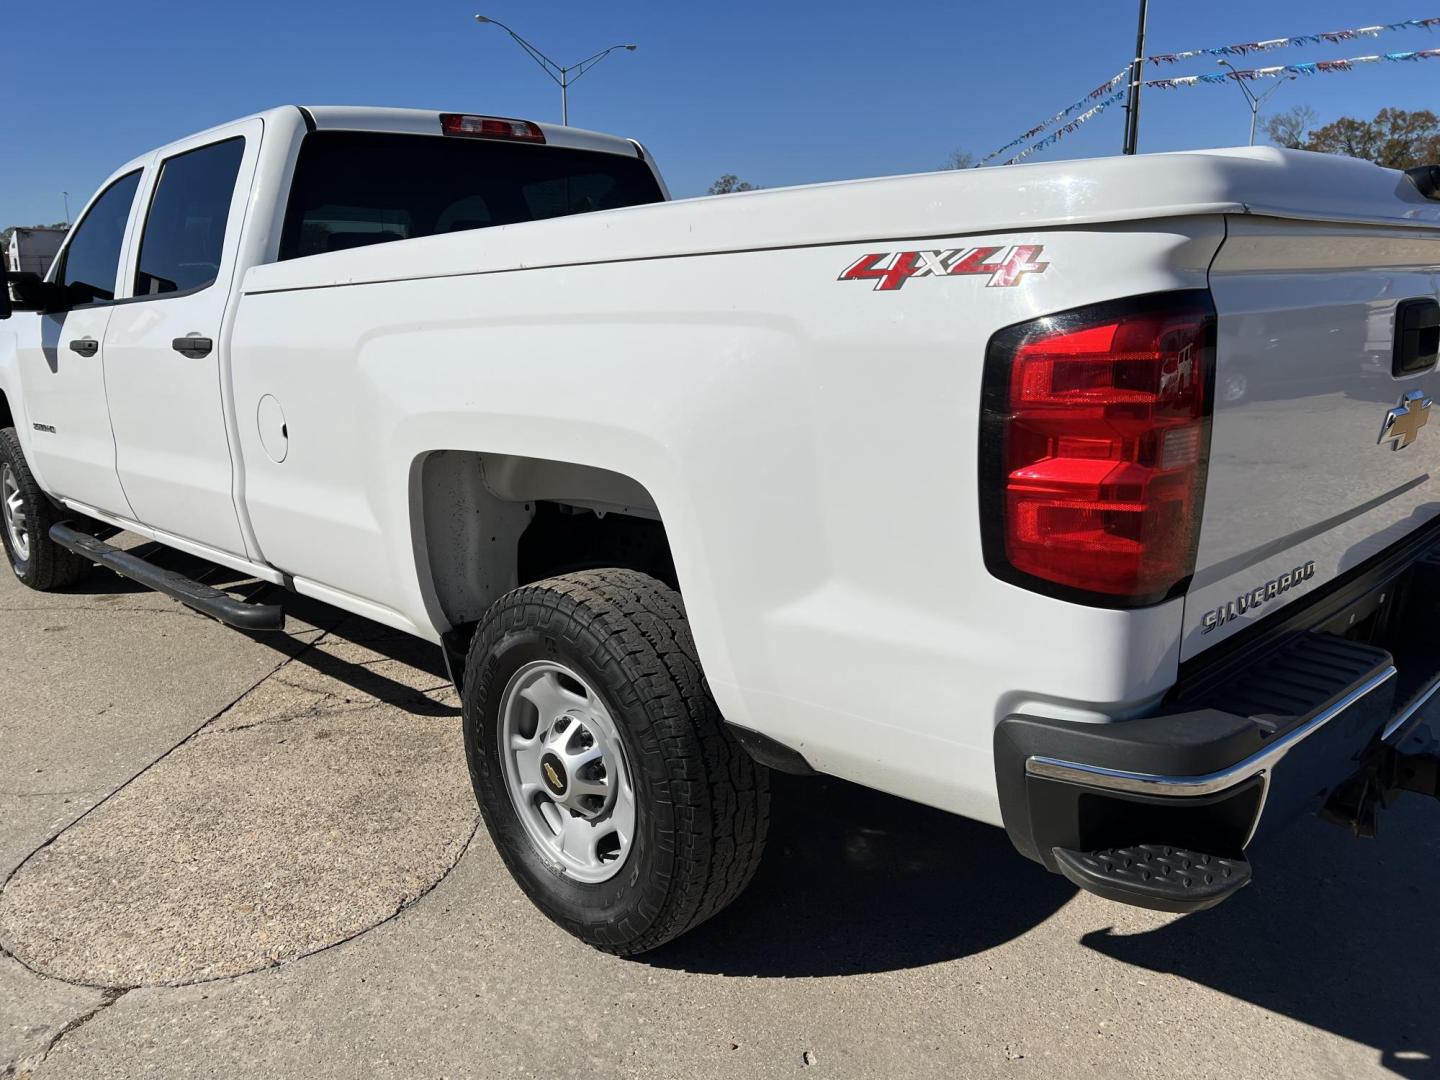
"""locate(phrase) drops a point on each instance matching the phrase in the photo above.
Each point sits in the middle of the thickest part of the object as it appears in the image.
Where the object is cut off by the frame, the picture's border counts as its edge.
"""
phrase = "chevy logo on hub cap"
(554, 774)
(1403, 423)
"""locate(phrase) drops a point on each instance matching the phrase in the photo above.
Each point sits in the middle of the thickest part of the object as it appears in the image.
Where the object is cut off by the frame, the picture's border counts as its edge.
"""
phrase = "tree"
(959, 159)
(1396, 138)
(1289, 128)
(729, 184)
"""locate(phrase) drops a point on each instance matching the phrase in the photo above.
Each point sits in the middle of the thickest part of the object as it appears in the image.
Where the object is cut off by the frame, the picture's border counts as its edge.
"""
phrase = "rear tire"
(27, 515)
(579, 689)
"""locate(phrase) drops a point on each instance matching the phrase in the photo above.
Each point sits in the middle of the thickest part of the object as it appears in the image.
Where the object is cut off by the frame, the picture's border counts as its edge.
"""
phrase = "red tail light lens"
(490, 127)
(1095, 436)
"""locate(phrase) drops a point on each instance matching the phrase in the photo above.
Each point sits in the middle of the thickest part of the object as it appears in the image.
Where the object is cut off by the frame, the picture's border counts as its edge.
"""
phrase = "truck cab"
(128, 391)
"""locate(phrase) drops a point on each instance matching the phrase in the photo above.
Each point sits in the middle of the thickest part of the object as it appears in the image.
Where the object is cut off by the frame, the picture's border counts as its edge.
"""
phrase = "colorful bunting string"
(1243, 49)
(1107, 85)
(1059, 133)
(1298, 41)
(1319, 67)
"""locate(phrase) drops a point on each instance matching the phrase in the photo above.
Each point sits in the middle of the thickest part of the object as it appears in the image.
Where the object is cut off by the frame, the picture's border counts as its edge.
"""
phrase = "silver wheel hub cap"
(565, 769)
(17, 523)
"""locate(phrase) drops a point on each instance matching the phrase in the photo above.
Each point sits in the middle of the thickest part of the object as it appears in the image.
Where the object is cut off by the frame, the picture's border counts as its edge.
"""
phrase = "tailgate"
(1301, 485)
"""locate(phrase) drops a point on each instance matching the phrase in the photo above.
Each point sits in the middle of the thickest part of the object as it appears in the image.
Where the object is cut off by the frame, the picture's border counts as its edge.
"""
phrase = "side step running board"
(202, 598)
(1157, 876)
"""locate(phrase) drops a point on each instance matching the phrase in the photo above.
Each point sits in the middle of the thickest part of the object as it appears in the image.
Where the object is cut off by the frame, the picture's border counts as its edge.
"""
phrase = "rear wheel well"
(493, 522)
(7, 419)
(563, 539)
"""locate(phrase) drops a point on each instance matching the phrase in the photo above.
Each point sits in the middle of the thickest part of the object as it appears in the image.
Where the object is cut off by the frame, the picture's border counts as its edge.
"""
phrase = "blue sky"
(778, 92)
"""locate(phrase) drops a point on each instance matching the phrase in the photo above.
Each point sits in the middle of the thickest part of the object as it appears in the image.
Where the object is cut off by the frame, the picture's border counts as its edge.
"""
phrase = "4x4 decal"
(891, 269)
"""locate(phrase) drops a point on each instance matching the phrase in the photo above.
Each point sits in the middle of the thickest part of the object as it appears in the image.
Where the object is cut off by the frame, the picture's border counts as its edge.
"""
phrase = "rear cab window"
(354, 189)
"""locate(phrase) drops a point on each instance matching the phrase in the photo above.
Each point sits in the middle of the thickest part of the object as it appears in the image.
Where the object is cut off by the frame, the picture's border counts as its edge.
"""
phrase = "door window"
(92, 257)
(184, 236)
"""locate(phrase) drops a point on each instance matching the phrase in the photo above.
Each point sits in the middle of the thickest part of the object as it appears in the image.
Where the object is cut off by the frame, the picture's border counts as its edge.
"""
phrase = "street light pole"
(563, 76)
(1250, 99)
(1137, 72)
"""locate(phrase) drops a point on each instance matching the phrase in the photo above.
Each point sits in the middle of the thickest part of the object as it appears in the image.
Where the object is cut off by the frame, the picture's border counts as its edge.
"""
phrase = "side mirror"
(1427, 179)
(29, 292)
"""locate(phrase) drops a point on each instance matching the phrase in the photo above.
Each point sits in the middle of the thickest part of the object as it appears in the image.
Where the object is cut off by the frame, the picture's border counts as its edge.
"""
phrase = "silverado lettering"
(1249, 601)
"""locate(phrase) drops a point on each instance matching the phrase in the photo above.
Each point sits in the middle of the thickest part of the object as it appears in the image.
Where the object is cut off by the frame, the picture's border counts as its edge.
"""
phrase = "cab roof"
(398, 121)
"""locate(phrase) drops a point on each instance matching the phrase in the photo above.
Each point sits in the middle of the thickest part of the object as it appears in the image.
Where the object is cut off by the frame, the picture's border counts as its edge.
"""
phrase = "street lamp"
(1250, 99)
(563, 76)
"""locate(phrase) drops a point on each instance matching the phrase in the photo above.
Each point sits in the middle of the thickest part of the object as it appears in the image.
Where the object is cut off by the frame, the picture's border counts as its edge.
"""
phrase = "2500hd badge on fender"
(681, 507)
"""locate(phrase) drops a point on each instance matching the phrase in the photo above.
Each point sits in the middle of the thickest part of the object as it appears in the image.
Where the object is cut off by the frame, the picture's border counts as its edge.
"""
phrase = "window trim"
(159, 166)
(63, 259)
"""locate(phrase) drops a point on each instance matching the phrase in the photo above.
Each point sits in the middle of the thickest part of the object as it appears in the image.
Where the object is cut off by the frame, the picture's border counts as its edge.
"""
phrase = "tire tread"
(50, 566)
(635, 626)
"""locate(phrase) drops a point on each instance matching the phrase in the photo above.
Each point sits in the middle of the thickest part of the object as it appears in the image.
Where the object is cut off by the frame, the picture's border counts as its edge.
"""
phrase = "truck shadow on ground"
(365, 678)
(856, 881)
(1337, 933)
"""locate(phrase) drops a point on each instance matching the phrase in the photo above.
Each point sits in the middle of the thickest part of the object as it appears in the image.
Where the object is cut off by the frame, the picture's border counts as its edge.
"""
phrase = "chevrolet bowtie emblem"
(1403, 423)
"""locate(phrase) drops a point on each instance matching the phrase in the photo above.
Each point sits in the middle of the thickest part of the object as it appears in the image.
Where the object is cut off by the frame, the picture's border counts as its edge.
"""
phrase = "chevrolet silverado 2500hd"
(1089, 499)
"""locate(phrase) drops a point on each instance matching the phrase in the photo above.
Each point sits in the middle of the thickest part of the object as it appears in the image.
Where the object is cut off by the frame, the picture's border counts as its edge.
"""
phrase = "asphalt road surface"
(230, 855)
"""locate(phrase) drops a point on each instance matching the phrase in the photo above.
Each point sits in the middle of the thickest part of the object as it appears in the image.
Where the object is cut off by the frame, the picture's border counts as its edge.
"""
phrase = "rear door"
(61, 358)
(163, 345)
(1304, 482)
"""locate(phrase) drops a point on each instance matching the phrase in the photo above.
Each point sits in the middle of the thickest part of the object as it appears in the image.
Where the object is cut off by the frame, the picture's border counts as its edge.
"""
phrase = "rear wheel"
(26, 516)
(609, 783)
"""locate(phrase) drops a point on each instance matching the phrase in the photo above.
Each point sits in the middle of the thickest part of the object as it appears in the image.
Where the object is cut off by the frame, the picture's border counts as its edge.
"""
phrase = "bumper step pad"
(1156, 876)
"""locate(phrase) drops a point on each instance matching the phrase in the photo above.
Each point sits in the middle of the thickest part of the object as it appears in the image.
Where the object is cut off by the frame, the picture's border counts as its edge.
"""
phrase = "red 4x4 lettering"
(888, 278)
(890, 270)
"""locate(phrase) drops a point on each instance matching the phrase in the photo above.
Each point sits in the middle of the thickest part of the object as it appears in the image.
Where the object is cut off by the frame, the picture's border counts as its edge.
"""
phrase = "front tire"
(609, 783)
(25, 519)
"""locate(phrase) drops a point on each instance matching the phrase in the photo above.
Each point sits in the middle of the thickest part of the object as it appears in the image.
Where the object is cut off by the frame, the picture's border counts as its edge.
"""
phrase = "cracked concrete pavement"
(231, 855)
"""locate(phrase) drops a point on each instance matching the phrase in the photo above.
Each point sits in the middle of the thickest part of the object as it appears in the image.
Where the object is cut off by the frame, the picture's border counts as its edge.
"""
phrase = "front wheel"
(608, 781)
(26, 515)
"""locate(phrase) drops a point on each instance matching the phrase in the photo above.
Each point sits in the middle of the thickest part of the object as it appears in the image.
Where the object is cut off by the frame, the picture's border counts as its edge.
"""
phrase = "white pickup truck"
(1126, 539)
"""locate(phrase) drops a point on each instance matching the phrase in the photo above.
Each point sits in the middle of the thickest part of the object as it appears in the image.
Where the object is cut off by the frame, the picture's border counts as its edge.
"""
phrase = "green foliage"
(729, 184)
(1396, 138)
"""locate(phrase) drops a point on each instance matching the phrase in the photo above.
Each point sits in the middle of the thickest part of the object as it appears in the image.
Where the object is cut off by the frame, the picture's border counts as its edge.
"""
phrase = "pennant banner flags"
(1103, 88)
(1243, 49)
(1319, 67)
(1333, 36)
(1060, 132)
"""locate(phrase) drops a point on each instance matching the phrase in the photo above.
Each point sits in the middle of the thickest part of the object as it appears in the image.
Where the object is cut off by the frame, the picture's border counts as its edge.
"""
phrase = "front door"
(71, 447)
(164, 344)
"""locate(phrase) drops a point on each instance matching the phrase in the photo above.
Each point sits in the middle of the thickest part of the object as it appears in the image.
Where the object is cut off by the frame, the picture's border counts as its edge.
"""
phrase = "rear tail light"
(490, 127)
(1094, 441)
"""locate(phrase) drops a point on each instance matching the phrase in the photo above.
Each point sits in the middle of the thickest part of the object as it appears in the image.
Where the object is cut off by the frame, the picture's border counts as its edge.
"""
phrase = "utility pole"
(66, 194)
(1137, 75)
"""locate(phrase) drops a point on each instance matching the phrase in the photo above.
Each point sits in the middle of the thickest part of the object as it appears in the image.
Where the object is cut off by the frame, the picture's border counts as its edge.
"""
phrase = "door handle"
(85, 346)
(193, 347)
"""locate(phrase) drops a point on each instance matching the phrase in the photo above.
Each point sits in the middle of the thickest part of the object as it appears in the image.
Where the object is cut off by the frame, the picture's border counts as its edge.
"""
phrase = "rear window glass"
(353, 189)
